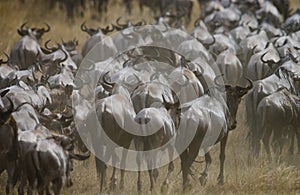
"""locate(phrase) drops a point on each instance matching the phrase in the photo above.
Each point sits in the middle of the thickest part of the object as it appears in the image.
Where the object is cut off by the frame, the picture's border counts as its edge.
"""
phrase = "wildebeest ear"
(69, 90)
(3, 93)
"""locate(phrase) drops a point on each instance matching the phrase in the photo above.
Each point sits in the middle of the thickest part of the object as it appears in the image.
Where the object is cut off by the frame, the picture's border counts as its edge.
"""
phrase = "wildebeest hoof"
(164, 187)
(69, 183)
(165, 183)
(155, 174)
(139, 186)
(121, 184)
(220, 180)
(203, 179)
(187, 187)
(113, 184)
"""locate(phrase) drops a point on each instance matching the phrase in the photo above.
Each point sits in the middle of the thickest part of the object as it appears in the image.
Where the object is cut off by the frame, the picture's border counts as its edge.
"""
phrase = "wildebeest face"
(234, 95)
(6, 107)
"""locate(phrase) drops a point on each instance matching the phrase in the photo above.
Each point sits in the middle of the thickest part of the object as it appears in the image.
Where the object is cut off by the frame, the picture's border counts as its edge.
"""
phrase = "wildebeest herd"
(237, 48)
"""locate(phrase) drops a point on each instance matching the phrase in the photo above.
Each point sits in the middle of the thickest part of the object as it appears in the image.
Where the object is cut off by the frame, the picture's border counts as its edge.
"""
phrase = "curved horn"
(166, 27)
(22, 31)
(119, 24)
(254, 49)
(213, 41)
(48, 27)
(108, 86)
(262, 58)
(125, 63)
(251, 83)
(83, 27)
(216, 81)
(62, 41)
(80, 156)
(65, 58)
(140, 23)
(50, 48)
(106, 81)
(22, 26)
(11, 107)
(4, 62)
(107, 30)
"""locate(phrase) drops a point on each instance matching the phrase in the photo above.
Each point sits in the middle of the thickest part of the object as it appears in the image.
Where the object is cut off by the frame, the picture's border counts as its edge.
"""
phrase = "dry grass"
(242, 177)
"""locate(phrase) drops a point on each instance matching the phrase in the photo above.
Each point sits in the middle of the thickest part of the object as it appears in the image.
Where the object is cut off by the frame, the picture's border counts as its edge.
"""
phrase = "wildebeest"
(113, 124)
(209, 114)
(25, 51)
(150, 119)
(9, 140)
(52, 163)
(277, 113)
(96, 35)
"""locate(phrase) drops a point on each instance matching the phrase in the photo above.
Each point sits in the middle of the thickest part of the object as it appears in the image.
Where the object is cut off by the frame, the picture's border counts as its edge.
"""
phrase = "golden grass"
(259, 177)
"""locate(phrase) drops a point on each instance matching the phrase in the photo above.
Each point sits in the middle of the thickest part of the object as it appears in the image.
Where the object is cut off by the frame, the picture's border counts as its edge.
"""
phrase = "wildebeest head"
(2, 61)
(70, 45)
(6, 107)
(119, 26)
(50, 64)
(36, 32)
(92, 31)
(233, 99)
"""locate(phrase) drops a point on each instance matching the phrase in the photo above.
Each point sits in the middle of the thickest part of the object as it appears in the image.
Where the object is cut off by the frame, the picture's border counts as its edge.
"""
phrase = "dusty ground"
(242, 177)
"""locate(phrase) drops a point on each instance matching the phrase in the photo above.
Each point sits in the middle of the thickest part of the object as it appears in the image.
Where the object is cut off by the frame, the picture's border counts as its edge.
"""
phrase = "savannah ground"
(242, 176)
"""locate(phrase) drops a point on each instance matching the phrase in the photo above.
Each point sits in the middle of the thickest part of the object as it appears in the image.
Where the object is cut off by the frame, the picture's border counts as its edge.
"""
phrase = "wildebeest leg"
(123, 161)
(11, 168)
(48, 191)
(222, 159)
(188, 157)
(153, 173)
(278, 142)
(150, 171)
(30, 173)
(170, 166)
(204, 174)
(57, 185)
(298, 140)
(139, 146)
(101, 169)
(266, 142)
(291, 136)
(30, 185)
(22, 178)
(113, 179)
(185, 169)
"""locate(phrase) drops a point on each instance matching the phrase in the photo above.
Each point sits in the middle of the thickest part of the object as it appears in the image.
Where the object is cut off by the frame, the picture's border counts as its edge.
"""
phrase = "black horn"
(65, 58)
(22, 31)
(262, 58)
(50, 48)
(7, 59)
(83, 27)
(107, 29)
(48, 27)
(250, 83)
